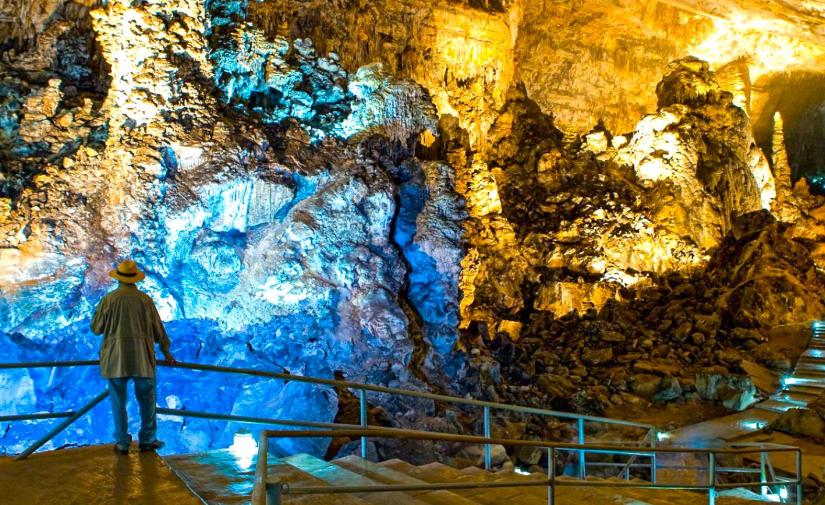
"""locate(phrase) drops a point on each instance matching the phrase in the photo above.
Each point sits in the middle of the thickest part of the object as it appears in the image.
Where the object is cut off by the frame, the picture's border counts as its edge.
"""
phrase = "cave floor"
(91, 476)
(95, 475)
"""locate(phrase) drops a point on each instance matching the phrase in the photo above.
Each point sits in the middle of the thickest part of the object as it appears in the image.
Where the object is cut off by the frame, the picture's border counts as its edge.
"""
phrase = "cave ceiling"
(584, 60)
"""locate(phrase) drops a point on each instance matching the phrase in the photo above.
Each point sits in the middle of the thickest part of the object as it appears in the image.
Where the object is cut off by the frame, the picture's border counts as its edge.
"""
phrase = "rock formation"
(676, 338)
(273, 199)
(571, 223)
(474, 197)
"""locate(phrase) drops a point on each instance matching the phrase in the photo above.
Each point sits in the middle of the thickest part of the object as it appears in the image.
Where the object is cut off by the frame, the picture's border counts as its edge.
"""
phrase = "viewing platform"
(96, 475)
(93, 475)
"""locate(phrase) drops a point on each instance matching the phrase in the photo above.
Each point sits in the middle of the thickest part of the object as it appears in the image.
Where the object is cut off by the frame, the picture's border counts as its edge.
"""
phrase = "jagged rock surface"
(273, 199)
(295, 213)
(566, 224)
(612, 270)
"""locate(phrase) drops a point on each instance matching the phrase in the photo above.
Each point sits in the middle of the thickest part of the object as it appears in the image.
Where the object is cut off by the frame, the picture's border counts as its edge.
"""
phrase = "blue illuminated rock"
(295, 401)
(274, 202)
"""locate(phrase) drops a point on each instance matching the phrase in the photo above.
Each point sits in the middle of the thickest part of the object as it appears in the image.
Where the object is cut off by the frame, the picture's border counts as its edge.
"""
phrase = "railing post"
(260, 490)
(488, 454)
(582, 457)
(362, 397)
(763, 472)
(711, 479)
(799, 497)
(653, 439)
(273, 493)
(551, 475)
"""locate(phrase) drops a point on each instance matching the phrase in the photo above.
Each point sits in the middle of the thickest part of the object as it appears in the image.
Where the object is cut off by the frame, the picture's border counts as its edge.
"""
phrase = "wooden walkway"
(91, 476)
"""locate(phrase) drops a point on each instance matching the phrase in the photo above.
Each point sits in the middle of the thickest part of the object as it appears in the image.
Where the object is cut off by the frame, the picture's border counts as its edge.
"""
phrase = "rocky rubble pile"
(625, 269)
(682, 338)
(559, 224)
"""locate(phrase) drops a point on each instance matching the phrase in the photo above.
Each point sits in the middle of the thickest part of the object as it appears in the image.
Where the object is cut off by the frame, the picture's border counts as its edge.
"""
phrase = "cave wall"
(384, 188)
(273, 199)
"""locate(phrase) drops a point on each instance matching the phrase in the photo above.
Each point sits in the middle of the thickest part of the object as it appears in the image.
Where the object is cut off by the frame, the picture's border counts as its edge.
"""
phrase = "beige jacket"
(130, 323)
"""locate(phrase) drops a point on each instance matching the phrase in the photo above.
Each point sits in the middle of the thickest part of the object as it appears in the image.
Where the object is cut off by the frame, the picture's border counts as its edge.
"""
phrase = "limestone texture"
(547, 203)
(274, 200)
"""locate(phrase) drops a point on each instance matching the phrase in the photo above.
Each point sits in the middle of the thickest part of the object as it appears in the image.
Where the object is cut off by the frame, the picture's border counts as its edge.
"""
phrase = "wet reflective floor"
(91, 476)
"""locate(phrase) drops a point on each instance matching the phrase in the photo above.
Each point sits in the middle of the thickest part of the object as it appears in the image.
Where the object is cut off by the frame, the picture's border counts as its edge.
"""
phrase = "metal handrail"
(567, 446)
(264, 492)
(632, 461)
(353, 385)
(62, 426)
(36, 417)
(268, 492)
(486, 406)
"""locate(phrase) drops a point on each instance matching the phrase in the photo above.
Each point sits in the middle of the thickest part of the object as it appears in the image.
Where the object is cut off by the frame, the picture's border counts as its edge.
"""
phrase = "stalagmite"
(786, 209)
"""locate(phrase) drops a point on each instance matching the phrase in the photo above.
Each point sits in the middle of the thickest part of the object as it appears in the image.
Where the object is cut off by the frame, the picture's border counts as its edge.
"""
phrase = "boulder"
(735, 392)
(475, 454)
(801, 422)
(646, 385)
(597, 356)
(669, 389)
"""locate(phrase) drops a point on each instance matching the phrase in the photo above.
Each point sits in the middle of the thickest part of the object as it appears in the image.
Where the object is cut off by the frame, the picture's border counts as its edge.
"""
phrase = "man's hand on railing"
(170, 360)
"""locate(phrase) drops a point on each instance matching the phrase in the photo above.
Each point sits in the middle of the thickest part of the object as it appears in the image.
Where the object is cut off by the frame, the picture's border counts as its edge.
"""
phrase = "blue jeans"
(146, 397)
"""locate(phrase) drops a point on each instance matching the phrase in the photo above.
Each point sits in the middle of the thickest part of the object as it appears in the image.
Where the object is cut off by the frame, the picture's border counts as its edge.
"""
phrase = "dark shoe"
(120, 450)
(151, 446)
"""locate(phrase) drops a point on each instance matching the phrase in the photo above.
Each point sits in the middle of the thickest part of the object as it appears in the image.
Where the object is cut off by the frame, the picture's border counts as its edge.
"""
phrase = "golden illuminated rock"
(602, 178)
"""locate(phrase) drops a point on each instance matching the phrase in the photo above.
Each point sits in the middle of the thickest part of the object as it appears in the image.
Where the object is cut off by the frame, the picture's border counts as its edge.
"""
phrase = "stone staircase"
(217, 479)
(808, 378)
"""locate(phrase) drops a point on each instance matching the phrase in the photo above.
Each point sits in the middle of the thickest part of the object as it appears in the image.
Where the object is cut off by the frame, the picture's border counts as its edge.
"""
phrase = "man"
(131, 326)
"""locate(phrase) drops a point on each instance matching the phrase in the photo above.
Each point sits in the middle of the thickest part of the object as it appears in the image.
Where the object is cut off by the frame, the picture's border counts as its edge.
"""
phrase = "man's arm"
(99, 319)
(160, 332)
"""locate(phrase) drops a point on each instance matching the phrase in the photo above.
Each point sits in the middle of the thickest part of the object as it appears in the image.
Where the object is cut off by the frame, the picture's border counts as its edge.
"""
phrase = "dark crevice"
(415, 322)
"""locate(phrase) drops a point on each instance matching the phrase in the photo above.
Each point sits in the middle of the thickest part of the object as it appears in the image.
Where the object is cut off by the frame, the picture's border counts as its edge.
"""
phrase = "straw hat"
(127, 271)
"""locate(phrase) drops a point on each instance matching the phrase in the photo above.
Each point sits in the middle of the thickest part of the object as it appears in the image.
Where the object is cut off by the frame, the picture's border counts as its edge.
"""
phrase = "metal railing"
(645, 448)
(271, 491)
(487, 408)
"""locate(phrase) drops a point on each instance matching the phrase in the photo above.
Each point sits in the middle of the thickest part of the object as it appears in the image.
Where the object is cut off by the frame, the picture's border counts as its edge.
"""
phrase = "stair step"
(437, 472)
(812, 357)
(386, 475)
(808, 382)
(801, 394)
(775, 406)
(810, 373)
(216, 477)
(335, 475)
(805, 364)
(792, 399)
(812, 391)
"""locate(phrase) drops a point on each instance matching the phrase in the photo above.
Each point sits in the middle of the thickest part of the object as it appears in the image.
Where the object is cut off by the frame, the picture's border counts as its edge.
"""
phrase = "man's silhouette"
(131, 326)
